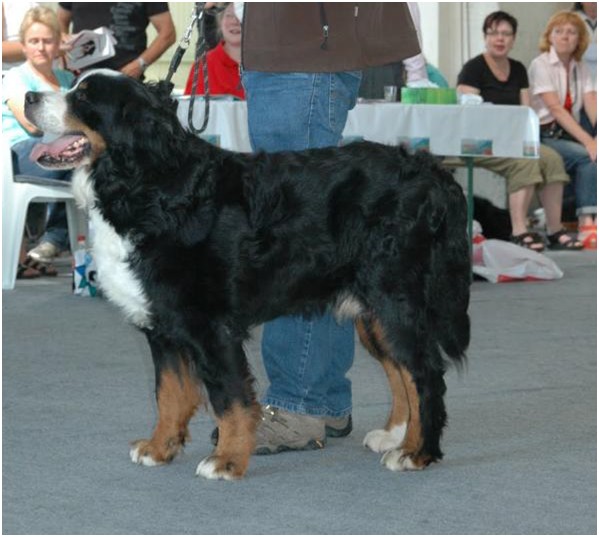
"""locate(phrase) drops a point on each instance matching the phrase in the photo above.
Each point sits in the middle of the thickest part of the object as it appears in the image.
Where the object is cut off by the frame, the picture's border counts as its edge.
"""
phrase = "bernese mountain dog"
(197, 245)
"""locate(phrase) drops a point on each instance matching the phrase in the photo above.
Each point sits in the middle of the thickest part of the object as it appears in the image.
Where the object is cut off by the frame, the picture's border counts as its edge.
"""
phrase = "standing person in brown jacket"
(301, 73)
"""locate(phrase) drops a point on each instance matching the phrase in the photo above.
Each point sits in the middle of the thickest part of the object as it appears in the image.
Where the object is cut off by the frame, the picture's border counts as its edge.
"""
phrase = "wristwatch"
(142, 63)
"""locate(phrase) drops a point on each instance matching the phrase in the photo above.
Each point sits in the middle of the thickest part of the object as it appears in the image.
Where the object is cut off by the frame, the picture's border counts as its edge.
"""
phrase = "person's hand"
(591, 147)
(65, 46)
(132, 69)
(423, 83)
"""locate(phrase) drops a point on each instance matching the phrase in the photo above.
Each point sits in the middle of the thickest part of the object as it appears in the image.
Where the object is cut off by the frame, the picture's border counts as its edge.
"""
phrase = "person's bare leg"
(519, 203)
(551, 200)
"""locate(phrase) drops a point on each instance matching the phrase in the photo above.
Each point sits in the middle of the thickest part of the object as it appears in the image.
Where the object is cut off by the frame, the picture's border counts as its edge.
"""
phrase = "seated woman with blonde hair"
(562, 86)
(40, 40)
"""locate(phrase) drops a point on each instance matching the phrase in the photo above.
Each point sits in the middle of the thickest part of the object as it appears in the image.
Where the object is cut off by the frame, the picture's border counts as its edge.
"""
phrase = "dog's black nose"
(32, 97)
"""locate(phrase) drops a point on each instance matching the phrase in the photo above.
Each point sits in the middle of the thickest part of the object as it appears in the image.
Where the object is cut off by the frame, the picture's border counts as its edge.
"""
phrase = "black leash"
(200, 57)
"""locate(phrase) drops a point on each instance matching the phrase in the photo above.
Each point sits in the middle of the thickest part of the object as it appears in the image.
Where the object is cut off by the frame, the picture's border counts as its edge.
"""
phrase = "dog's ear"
(164, 88)
(161, 89)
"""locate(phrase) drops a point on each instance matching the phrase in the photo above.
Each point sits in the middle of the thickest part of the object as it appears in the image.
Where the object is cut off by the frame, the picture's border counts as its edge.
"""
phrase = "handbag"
(556, 132)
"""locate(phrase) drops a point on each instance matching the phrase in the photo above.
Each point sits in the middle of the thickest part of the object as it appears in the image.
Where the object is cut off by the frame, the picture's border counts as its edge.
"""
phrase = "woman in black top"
(501, 80)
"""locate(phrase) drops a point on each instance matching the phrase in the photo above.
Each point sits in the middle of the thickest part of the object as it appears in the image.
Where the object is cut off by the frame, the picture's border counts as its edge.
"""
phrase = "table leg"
(470, 198)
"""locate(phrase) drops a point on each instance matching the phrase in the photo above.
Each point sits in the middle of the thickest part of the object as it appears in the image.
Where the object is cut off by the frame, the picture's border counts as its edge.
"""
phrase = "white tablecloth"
(451, 130)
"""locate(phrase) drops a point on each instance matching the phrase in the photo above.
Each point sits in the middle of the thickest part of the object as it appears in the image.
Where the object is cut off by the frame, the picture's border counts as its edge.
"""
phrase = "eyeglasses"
(558, 30)
(495, 33)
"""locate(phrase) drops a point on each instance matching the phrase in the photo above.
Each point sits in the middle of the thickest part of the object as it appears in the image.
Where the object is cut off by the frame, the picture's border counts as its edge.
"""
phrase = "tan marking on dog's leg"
(409, 456)
(236, 442)
(371, 336)
(381, 440)
(400, 408)
(178, 397)
(413, 440)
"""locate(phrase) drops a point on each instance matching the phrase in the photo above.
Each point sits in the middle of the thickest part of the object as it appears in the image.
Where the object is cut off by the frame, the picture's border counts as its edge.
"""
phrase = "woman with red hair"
(561, 87)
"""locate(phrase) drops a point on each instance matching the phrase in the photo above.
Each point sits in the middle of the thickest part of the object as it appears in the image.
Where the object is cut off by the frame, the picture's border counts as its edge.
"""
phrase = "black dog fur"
(222, 241)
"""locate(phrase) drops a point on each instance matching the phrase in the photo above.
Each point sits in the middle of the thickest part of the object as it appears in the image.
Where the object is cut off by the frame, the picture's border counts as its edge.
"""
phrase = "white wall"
(452, 31)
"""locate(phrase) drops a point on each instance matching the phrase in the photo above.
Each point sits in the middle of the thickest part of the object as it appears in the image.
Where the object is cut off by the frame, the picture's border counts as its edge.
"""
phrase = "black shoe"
(214, 436)
(338, 427)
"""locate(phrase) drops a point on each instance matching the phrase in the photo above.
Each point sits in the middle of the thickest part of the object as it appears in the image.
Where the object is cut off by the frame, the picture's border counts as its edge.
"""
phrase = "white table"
(450, 130)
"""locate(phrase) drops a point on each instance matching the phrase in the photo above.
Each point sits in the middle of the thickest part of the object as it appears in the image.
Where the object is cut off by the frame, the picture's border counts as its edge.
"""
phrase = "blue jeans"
(56, 227)
(306, 359)
(582, 171)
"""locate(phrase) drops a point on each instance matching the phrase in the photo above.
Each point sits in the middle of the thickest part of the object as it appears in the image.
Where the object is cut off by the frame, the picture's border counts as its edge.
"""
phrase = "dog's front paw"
(149, 453)
(397, 460)
(141, 453)
(216, 467)
(381, 440)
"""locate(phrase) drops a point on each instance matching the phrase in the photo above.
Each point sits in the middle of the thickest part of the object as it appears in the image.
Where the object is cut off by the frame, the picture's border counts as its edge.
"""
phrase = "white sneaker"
(44, 252)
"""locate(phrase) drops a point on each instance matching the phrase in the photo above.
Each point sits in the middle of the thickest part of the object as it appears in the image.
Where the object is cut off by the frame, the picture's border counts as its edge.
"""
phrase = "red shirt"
(223, 75)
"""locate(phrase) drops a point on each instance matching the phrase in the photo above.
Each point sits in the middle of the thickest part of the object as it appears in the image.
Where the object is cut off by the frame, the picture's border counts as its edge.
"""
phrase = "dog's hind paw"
(381, 440)
(212, 468)
(397, 460)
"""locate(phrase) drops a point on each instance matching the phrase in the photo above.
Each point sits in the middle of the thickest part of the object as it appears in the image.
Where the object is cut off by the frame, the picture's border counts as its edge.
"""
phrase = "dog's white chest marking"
(111, 252)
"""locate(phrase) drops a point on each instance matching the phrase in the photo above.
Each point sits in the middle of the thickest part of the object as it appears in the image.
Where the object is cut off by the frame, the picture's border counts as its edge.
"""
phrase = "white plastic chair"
(17, 193)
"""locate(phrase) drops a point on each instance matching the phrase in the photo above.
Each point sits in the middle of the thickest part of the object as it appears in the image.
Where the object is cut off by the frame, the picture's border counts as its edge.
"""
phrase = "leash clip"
(196, 16)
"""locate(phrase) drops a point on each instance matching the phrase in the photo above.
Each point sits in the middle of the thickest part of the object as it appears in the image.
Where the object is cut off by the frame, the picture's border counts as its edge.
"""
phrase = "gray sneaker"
(284, 428)
(280, 430)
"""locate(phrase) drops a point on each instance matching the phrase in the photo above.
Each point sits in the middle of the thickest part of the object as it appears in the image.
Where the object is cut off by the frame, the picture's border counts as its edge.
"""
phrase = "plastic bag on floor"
(501, 261)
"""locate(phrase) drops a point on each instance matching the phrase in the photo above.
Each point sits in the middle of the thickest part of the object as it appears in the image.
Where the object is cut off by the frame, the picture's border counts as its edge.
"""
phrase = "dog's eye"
(80, 96)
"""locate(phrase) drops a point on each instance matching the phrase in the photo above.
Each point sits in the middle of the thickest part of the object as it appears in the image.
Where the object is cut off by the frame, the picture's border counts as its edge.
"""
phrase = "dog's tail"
(447, 286)
(430, 273)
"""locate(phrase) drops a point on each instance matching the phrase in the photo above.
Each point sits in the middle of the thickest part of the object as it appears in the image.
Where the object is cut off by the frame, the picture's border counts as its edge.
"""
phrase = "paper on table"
(89, 47)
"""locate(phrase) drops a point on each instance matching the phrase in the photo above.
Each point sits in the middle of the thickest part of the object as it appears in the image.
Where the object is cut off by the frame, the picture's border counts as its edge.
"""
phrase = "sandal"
(43, 269)
(556, 243)
(588, 236)
(27, 273)
(530, 240)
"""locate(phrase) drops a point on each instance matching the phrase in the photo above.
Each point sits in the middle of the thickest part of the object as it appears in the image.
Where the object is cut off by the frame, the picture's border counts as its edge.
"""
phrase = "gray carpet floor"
(520, 448)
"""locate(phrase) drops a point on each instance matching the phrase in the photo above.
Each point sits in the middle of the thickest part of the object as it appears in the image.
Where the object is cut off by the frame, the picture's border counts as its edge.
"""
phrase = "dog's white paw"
(208, 469)
(144, 459)
(381, 440)
(399, 461)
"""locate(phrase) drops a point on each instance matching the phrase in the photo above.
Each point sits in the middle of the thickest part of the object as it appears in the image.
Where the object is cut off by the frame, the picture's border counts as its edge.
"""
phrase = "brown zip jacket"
(325, 36)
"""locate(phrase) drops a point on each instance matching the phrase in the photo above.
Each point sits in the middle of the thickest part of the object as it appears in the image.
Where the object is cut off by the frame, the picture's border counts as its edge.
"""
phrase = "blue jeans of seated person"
(56, 226)
(586, 124)
(582, 171)
(306, 359)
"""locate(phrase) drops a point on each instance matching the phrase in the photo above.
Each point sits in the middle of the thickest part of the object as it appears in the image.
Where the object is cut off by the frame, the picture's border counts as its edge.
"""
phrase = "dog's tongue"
(53, 148)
